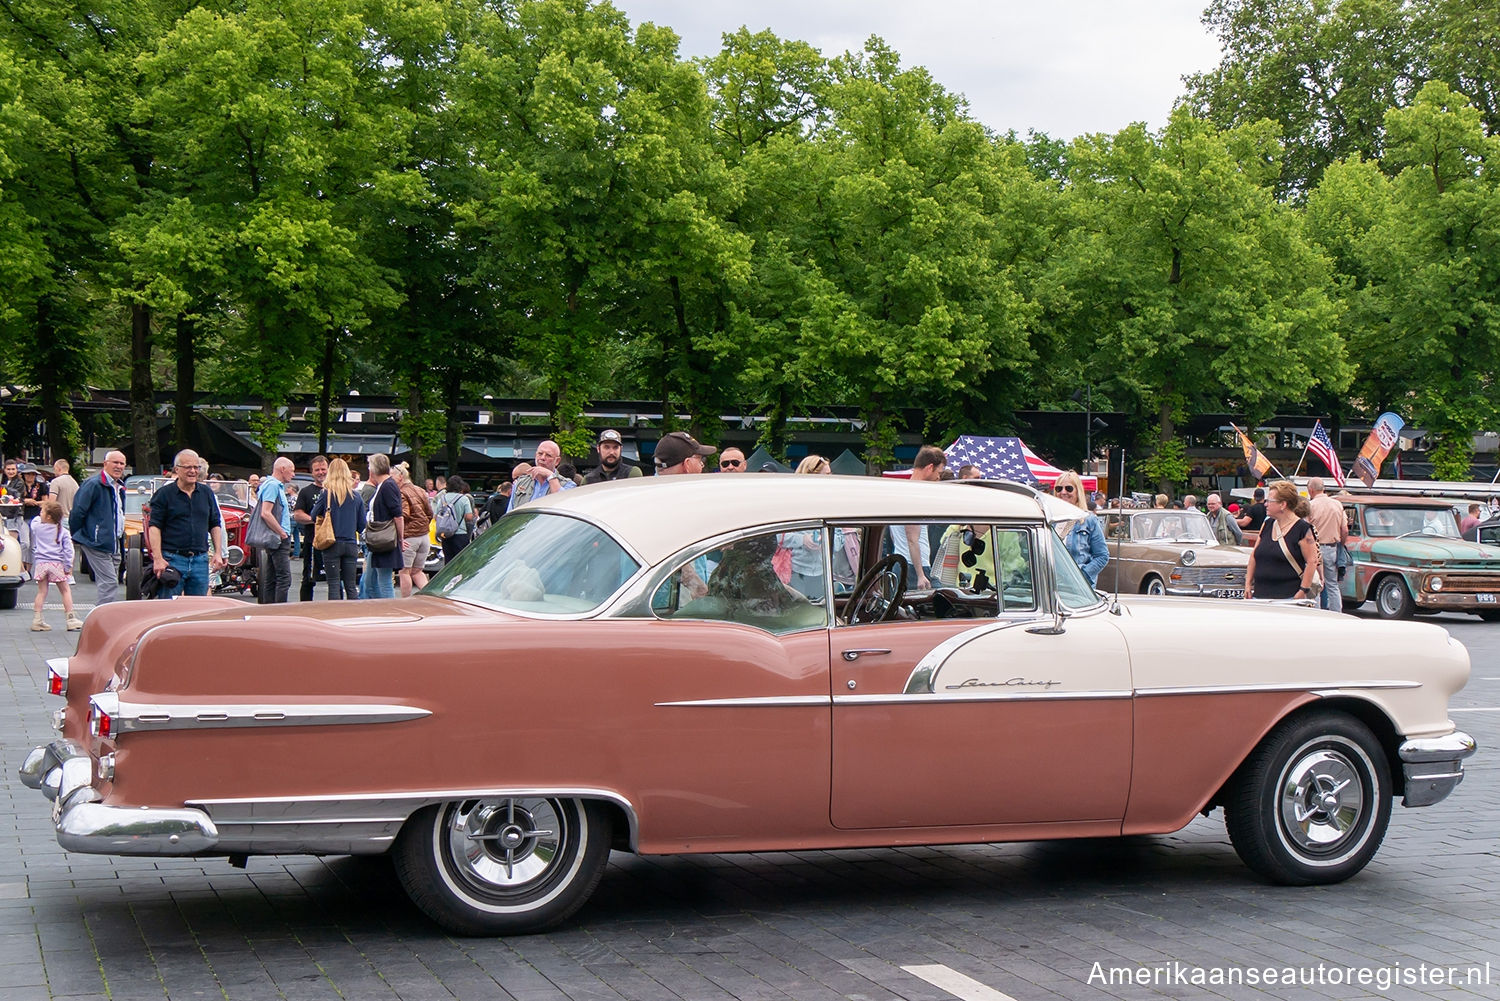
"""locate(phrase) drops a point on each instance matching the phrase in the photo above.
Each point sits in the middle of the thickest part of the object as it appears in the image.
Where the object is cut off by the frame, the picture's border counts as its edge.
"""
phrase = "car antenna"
(1114, 605)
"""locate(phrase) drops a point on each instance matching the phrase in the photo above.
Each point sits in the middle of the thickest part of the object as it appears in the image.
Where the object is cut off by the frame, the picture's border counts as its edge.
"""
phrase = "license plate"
(1228, 592)
(1485, 599)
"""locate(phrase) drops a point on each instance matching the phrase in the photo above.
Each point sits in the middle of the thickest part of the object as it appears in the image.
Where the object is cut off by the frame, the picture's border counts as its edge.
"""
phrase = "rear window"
(537, 562)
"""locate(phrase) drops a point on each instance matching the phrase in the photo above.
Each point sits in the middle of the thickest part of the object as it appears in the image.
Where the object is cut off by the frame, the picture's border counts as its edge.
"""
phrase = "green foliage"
(1168, 463)
(445, 198)
(1451, 457)
(267, 427)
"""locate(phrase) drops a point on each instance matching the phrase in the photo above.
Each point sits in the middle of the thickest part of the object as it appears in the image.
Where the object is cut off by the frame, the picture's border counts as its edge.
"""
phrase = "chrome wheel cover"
(1155, 586)
(505, 846)
(1391, 597)
(1321, 805)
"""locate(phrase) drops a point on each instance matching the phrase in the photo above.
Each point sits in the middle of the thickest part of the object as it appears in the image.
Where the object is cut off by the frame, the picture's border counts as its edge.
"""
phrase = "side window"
(1352, 513)
(1072, 586)
(763, 581)
(1016, 565)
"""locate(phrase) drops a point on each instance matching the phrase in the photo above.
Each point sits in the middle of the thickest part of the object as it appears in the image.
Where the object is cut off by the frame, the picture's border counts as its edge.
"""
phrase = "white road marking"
(1484, 709)
(956, 983)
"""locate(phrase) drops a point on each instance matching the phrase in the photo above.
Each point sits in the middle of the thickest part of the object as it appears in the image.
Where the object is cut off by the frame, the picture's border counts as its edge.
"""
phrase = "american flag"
(1006, 459)
(1322, 446)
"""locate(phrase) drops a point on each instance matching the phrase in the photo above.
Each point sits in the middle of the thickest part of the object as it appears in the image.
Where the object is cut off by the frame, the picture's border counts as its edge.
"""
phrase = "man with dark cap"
(679, 452)
(610, 467)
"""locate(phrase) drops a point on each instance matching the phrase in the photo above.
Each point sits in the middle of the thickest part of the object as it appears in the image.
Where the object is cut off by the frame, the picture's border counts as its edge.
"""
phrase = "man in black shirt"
(611, 466)
(186, 531)
(312, 559)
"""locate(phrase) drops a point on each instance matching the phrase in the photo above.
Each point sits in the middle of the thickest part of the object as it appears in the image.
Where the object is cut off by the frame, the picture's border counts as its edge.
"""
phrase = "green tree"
(891, 224)
(1324, 71)
(1183, 278)
(1421, 256)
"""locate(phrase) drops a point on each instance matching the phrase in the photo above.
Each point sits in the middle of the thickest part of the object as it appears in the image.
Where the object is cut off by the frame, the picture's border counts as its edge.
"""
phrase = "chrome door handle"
(852, 655)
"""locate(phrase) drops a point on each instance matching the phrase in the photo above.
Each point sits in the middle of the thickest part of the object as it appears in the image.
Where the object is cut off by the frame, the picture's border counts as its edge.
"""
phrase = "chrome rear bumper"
(1434, 766)
(63, 770)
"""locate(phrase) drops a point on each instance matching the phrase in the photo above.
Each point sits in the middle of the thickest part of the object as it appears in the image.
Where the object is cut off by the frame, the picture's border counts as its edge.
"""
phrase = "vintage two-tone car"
(1169, 552)
(1408, 556)
(621, 667)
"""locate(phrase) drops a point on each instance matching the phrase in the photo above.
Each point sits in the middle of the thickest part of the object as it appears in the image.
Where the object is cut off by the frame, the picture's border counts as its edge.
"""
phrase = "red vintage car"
(633, 666)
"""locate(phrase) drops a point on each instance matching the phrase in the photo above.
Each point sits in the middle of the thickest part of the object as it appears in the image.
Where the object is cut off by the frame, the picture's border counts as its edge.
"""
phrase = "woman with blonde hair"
(799, 556)
(815, 464)
(347, 512)
(1286, 559)
(1085, 538)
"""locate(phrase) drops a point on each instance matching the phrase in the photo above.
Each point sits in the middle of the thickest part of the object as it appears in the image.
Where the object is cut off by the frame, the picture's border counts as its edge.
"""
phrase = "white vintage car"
(11, 576)
(633, 666)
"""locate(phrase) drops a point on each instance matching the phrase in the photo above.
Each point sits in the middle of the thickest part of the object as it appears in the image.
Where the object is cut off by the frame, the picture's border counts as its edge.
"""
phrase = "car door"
(1006, 720)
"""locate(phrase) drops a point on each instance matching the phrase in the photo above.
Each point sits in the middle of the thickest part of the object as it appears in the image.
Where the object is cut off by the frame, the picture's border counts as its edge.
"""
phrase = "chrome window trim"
(636, 603)
(138, 717)
(750, 702)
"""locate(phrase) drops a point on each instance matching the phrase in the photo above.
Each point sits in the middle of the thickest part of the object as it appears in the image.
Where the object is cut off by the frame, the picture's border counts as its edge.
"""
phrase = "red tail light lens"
(56, 685)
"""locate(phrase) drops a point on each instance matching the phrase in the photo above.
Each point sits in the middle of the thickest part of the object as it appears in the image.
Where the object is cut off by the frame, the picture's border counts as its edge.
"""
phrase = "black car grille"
(1469, 583)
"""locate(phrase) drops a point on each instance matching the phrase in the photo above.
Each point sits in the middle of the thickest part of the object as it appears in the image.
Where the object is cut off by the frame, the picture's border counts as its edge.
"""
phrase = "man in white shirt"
(907, 539)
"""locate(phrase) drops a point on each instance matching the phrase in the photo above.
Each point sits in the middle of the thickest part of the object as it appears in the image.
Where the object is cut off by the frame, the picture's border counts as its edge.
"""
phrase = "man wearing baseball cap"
(610, 465)
(679, 452)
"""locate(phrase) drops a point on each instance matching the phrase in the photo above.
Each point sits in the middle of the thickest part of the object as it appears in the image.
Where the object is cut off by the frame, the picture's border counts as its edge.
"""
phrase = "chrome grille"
(1209, 577)
(1469, 583)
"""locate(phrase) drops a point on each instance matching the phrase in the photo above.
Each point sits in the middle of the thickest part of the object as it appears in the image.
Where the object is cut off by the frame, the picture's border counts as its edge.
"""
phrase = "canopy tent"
(1007, 459)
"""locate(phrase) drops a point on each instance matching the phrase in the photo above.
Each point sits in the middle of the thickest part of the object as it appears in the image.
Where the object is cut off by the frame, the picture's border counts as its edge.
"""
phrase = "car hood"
(1433, 549)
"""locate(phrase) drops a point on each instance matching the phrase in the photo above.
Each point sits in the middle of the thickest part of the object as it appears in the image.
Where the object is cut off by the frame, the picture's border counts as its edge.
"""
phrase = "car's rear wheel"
(1486, 616)
(1153, 585)
(1311, 803)
(1392, 599)
(503, 865)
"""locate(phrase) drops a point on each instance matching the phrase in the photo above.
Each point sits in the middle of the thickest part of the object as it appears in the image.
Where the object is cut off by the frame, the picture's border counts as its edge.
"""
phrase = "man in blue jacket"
(97, 523)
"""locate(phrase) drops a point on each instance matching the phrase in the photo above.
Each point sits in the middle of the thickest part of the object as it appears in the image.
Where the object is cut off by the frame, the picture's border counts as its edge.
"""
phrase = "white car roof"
(658, 515)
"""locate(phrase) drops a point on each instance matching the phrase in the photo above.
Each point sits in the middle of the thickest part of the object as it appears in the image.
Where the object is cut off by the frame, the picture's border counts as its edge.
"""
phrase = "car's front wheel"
(503, 865)
(1392, 599)
(1311, 803)
(1154, 585)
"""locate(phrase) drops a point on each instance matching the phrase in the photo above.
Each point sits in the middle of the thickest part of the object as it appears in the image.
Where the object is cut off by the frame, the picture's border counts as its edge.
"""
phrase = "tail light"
(57, 676)
(104, 708)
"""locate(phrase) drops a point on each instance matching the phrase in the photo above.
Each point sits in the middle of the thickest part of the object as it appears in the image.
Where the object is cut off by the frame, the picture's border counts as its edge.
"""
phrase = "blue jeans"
(377, 582)
(194, 570)
(1330, 597)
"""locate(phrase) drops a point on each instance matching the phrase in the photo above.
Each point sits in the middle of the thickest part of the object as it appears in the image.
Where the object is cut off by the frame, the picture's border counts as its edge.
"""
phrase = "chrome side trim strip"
(925, 673)
(930, 699)
(135, 717)
(768, 701)
(331, 814)
(1316, 687)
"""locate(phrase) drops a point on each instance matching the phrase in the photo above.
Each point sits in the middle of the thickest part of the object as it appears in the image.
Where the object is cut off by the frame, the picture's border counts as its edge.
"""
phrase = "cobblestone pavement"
(1030, 921)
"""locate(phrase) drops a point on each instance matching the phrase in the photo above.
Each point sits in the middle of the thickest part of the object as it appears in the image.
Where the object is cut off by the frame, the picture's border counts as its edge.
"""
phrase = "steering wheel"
(878, 594)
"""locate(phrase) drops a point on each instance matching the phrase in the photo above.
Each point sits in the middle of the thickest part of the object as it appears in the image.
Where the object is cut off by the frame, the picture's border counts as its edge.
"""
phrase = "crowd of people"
(387, 522)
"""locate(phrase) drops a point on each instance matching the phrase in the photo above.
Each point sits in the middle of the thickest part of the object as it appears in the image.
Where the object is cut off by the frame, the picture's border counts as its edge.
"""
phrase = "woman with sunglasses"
(1085, 538)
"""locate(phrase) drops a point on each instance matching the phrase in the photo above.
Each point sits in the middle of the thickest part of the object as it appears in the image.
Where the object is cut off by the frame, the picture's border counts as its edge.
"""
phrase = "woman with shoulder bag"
(1285, 561)
(383, 530)
(346, 513)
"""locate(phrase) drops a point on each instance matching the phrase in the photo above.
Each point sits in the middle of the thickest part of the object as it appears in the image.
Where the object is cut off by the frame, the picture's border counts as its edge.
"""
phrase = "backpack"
(446, 523)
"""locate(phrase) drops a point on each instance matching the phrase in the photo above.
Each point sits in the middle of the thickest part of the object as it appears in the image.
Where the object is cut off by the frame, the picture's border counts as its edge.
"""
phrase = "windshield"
(537, 562)
(1172, 526)
(1390, 522)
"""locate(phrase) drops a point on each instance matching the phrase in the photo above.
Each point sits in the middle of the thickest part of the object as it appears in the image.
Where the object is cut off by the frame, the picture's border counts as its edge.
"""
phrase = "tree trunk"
(418, 446)
(1168, 431)
(775, 433)
(325, 398)
(875, 435)
(142, 393)
(453, 437)
(187, 374)
(50, 393)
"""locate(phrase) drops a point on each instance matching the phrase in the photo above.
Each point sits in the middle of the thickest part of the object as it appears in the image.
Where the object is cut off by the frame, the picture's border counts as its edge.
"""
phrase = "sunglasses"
(1062, 489)
(730, 463)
